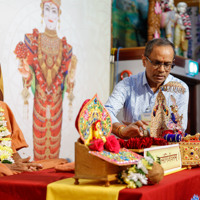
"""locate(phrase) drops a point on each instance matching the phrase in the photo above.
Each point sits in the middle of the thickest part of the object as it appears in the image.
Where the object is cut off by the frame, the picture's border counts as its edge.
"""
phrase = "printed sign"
(169, 156)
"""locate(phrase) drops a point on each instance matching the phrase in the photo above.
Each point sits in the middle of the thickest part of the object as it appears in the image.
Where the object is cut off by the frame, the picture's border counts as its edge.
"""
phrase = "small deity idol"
(168, 18)
(182, 29)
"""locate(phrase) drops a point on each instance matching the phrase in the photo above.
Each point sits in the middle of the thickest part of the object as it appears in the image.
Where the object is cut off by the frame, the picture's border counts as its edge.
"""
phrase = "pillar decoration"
(154, 15)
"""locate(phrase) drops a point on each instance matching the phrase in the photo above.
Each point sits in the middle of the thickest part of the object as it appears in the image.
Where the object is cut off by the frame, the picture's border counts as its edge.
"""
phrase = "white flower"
(142, 167)
(3, 123)
(5, 133)
(6, 143)
(142, 178)
(11, 160)
(133, 176)
(137, 177)
(149, 159)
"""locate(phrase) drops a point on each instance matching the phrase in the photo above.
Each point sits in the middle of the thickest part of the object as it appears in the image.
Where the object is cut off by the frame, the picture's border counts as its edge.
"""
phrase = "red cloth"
(181, 185)
(33, 186)
(29, 185)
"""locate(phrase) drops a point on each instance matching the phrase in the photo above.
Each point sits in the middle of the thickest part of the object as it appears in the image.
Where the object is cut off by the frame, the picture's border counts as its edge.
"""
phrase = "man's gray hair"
(156, 43)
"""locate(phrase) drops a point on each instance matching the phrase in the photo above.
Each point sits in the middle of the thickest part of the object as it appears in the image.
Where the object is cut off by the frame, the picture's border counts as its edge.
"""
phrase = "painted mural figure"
(47, 66)
(182, 29)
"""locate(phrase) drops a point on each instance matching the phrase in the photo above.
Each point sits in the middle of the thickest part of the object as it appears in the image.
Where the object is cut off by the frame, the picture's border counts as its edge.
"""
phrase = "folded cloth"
(4, 170)
(86, 190)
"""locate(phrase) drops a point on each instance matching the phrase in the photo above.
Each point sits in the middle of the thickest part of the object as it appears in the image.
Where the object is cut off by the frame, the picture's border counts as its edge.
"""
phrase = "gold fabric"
(86, 190)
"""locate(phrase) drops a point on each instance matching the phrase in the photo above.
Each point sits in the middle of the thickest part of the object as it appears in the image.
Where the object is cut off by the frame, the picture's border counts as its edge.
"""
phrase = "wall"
(86, 24)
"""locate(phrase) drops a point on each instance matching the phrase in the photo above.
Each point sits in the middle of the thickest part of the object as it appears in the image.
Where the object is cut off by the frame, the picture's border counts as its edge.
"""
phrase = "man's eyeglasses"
(157, 64)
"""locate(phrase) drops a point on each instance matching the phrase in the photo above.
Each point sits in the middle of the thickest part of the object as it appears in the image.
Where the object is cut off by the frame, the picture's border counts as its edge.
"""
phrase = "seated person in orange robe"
(17, 142)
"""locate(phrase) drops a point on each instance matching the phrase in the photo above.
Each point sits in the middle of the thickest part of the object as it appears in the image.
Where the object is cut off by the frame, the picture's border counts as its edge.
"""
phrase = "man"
(137, 94)
(17, 142)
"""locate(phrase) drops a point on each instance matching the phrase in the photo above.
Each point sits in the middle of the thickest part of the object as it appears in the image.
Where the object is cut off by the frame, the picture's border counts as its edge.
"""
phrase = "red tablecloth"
(178, 186)
(182, 185)
(29, 185)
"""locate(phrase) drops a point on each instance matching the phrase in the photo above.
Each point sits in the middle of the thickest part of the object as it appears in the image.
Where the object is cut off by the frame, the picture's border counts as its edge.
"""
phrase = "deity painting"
(48, 66)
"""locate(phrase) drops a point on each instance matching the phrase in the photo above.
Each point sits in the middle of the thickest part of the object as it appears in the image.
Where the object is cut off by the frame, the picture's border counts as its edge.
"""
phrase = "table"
(182, 185)
(29, 185)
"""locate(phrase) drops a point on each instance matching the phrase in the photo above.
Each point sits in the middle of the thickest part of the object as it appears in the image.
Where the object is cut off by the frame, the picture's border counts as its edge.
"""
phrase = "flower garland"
(141, 142)
(187, 24)
(136, 175)
(5, 142)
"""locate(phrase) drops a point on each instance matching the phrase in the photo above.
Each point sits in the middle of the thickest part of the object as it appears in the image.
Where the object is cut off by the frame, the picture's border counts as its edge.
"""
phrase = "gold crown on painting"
(56, 2)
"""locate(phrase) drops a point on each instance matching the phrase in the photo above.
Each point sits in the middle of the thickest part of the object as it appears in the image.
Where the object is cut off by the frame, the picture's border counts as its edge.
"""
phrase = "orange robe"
(17, 136)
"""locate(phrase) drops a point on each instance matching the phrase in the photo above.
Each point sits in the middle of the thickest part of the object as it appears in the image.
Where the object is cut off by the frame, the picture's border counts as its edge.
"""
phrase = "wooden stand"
(88, 166)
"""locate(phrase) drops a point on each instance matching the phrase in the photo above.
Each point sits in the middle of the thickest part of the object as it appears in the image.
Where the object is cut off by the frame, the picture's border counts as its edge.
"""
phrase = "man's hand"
(24, 167)
(135, 129)
(4, 170)
(23, 164)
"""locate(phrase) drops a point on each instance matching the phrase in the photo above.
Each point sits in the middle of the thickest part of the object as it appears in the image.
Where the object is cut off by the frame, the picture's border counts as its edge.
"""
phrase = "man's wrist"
(119, 130)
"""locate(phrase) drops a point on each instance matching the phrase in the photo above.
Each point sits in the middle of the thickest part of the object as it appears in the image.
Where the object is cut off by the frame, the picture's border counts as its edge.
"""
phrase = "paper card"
(169, 155)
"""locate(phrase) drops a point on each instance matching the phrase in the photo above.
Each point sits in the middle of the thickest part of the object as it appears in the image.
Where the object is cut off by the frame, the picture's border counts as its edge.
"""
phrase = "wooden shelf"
(136, 53)
(133, 53)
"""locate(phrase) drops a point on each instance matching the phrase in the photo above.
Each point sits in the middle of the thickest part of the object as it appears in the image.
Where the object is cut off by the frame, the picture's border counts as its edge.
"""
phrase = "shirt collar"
(144, 81)
(168, 79)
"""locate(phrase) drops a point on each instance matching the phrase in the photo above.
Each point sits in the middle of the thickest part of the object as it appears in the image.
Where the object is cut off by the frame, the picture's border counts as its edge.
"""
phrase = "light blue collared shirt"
(134, 95)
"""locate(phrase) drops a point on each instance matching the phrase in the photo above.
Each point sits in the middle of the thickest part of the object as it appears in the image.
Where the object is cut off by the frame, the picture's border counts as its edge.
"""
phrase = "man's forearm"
(117, 128)
(16, 157)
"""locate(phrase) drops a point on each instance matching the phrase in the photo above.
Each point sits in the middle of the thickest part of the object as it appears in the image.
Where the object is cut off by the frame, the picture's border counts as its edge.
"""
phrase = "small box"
(190, 153)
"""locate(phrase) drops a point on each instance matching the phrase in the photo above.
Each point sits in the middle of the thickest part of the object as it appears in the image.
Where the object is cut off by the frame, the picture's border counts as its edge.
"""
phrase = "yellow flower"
(4, 156)
(3, 128)
(8, 149)
(132, 169)
(127, 181)
(146, 164)
(2, 118)
(131, 185)
(5, 139)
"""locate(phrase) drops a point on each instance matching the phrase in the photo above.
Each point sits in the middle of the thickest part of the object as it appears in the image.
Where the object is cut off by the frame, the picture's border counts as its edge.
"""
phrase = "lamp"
(191, 67)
